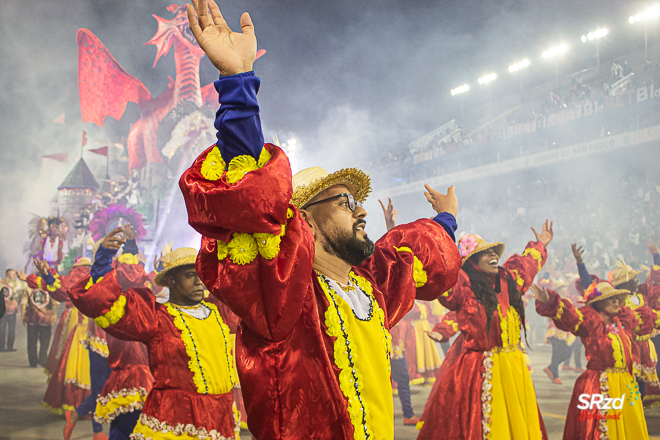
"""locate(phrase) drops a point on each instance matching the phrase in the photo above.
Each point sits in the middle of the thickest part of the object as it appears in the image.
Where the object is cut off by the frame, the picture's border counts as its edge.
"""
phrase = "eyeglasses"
(352, 205)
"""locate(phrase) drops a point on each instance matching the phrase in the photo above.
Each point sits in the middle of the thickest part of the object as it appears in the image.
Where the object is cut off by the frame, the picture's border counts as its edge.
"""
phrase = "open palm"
(230, 52)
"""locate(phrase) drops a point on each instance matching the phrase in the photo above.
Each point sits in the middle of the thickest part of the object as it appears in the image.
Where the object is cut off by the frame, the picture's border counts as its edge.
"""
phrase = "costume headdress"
(600, 291)
(178, 257)
(310, 182)
(470, 244)
(622, 274)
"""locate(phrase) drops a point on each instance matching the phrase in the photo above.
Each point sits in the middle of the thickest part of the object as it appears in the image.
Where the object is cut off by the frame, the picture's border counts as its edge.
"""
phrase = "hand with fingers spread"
(577, 253)
(41, 267)
(157, 259)
(22, 276)
(390, 213)
(653, 247)
(442, 202)
(129, 233)
(112, 240)
(436, 336)
(230, 52)
(540, 293)
(546, 234)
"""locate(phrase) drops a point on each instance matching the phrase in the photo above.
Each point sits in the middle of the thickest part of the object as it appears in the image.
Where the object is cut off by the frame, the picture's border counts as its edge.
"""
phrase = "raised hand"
(653, 247)
(157, 258)
(577, 253)
(546, 234)
(436, 336)
(129, 233)
(390, 213)
(230, 52)
(540, 293)
(112, 240)
(22, 276)
(442, 202)
(41, 266)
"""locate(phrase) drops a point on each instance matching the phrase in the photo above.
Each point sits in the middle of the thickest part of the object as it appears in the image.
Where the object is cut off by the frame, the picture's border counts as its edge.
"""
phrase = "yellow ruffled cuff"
(113, 315)
(239, 167)
(419, 274)
(128, 259)
(536, 254)
(56, 285)
(268, 245)
(213, 166)
(91, 282)
(242, 248)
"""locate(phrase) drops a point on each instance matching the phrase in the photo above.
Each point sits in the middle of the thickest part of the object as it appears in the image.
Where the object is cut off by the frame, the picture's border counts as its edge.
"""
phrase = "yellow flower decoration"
(213, 166)
(223, 249)
(113, 315)
(128, 259)
(239, 167)
(289, 213)
(264, 157)
(536, 254)
(282, 230)
(91, 282)
(419, 274)
(242, 248)
(268, 244)
(56, 285)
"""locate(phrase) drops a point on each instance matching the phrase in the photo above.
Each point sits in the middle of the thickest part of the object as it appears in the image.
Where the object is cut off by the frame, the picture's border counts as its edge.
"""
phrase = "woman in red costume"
(487, 392)
(607, 329)
(188, 343)
(67, 366)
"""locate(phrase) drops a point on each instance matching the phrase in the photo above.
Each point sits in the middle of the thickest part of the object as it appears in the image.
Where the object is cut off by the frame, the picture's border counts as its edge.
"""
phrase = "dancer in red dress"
(486, 392)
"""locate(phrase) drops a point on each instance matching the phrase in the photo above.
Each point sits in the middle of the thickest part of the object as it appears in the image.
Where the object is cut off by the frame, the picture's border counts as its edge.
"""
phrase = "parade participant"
(39, 315)
(188, 343)
(16, 288)
(606, 328)
(487, 391)
(291, 258)
(561, 341)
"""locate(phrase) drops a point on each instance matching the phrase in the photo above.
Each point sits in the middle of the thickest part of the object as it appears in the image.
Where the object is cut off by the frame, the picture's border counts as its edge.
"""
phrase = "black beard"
(349, 247)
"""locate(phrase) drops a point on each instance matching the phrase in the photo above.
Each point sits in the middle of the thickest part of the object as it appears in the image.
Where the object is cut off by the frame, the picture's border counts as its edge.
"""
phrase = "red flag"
(59, 119)
(60, 157)
(103, 151)
(84, 138)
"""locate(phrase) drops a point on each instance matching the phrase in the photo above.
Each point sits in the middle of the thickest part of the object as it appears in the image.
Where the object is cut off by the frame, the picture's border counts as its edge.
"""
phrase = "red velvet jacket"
(285, 357)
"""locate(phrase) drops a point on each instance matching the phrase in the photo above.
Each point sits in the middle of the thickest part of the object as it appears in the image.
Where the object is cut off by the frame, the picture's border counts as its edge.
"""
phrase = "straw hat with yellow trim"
(600, 291)
(470, 244)
(177, 258)
(310, 182)
(82, 261)
(622, 274)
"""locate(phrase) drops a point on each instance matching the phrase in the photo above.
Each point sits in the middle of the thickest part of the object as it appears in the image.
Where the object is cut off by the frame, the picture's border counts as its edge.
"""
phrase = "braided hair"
(483, 290)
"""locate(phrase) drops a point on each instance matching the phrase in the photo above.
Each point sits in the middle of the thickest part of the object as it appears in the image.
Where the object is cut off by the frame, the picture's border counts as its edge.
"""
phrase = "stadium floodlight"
(600, 33)
(555, 51)
(488, 78)
(458, 90)
(519, 65)
(649, 13)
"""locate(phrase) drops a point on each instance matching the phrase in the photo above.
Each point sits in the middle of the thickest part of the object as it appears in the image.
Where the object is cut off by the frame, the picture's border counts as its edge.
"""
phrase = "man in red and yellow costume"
(291, 258)
(187, 340)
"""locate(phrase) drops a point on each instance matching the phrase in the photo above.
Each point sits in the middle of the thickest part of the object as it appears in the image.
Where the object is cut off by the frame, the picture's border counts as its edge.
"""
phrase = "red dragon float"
(186, 108)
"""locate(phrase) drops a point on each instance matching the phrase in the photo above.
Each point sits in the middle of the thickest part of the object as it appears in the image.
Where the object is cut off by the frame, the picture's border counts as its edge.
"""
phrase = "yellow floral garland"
(223, 249)
(56, 285)
(419, 274)
(350, 379)
(536, 254)
(239, 167)
(113, 315)
(128, 258)
(268, 244)
(242, 248)
(617, 348)
(213, 166)
(91, 282)
(264, 157)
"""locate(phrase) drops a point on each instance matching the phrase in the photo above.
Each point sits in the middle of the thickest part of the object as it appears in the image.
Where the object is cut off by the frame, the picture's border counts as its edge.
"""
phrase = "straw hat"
(177, 258)
(470, 244)
(600, 291)
(310, 182)
(559, 283)
(622, 274)
(82, 261)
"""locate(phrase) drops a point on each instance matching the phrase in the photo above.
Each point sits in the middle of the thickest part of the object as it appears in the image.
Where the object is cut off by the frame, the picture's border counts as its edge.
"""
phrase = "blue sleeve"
(102, 262)
(585, 278)
(448, 223)
(237, 121)
(656, 259)
(49, 279)
(130, 247)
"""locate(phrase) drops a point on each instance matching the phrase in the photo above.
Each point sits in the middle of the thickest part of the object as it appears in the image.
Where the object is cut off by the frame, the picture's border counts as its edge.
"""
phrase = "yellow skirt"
(514, 411)
(77, 362)
(631, 423)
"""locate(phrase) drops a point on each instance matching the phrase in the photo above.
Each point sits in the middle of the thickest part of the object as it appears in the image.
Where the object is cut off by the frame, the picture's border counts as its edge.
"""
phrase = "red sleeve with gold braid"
(525, 267)
(448, 326)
